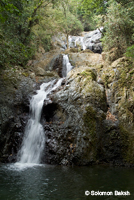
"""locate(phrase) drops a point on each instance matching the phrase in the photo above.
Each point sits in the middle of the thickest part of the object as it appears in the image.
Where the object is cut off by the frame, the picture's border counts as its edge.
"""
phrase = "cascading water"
(34, 139)
(34, 136)
(77, 40)
(67, 67)
(82, 43)
(90, 40)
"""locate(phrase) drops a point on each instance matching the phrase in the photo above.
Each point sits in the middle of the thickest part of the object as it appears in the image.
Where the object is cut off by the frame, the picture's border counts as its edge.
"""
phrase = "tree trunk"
(67, 41)
(33, 21)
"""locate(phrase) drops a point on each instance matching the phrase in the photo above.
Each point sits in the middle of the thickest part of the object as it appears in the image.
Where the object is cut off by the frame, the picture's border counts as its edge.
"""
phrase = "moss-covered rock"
(119, 81)
(82, 102)
(85, 59)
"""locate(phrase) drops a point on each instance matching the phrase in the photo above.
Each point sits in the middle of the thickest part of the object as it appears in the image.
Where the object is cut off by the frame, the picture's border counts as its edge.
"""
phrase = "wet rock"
(89, 123)
(15, 92)
(56, 64)
(75, 122)
(118, 78)
(92, 40)
(39, 71)
(89, 59)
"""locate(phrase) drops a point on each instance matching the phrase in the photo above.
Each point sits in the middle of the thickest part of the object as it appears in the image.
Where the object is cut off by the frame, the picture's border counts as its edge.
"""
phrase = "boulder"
(74, 120)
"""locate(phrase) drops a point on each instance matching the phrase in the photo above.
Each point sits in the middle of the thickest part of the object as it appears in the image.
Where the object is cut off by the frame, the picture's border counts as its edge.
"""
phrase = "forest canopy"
(26, 24)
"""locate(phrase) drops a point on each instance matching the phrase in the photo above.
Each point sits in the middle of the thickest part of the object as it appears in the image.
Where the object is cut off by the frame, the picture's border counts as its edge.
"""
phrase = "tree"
(18, 17)
(67, 22)
(94, 6)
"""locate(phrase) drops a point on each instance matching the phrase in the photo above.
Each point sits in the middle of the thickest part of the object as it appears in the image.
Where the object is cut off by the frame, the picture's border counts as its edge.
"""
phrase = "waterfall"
(67, 67)
(82, 43)
(34, 137)
(90, 40)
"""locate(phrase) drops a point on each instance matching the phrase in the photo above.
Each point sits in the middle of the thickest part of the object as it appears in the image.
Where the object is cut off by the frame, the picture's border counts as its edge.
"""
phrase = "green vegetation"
(89, 119)
(17, 19)
(67, 21)
(25, 25)
(117, 18)
(89, 74)
(119, 26)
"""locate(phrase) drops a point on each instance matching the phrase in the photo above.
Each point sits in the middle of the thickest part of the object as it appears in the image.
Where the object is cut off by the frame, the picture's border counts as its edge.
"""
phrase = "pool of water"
(46, 182)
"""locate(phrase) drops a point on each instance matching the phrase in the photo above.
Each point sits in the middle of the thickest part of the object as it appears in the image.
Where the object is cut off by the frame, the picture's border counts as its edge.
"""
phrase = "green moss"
(106, 81)
(85, 79)
(89, 74)
(78, 79)
(25, 74)
(89, 119)
(127, 145)
(89, 128)
(126, 75)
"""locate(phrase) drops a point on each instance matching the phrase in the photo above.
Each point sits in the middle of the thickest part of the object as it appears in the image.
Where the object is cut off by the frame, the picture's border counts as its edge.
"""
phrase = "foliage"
(26, 24)
(14, 52)
(118, 20)
(88, 10)
(6, 8)
(94, 6)
(130, 52)
(66, 21)
(119, 26)
(17, 21)
(62, 17)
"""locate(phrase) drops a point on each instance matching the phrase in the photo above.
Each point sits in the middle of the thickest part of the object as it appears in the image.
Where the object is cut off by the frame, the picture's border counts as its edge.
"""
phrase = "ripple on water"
(22, 166)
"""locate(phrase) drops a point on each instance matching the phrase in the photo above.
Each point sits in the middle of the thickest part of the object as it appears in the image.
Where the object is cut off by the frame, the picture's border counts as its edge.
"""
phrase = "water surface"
(45, 182)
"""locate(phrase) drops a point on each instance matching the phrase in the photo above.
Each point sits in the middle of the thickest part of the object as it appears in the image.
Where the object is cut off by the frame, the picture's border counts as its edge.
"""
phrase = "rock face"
(119, 83)
(74, 125)
(85, 123)
(91, 116)
(15, 92)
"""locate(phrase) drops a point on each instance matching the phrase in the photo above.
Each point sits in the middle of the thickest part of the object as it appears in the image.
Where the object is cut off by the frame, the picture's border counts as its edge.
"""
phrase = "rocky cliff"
(91, 117)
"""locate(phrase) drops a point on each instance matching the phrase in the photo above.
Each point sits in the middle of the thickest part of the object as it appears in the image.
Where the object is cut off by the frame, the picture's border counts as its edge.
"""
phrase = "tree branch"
(32, 20)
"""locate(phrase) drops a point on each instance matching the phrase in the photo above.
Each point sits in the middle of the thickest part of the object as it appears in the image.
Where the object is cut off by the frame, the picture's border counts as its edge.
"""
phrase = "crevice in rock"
(49, 112)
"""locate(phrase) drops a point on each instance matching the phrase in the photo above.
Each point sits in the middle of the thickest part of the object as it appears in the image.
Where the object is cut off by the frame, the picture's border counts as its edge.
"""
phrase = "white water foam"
(22, 166)
(67, 67)
(34, 136)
